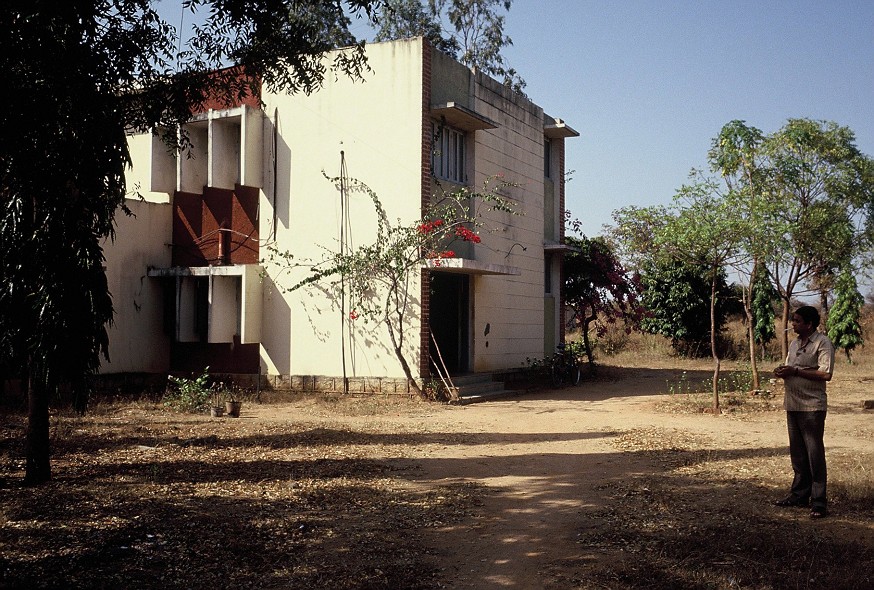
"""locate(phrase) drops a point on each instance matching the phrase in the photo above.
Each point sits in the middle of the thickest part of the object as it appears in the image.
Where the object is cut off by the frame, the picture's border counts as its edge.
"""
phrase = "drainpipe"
(222, 246)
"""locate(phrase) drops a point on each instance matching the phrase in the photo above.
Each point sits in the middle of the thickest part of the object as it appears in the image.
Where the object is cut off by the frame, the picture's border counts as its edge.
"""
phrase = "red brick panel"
(187, 228)
(218, 227)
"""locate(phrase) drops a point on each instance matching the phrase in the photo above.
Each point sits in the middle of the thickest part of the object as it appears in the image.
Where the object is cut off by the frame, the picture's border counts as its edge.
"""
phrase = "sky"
(648, 84)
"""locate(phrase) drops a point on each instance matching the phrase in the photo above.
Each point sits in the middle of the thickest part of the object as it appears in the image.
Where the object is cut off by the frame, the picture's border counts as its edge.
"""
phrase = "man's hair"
(809, 314)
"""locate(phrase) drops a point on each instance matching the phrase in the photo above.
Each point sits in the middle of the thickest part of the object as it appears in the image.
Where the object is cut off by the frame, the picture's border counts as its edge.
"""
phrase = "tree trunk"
(590, 354)
(37, 452)
(398, 349)
(784, 330)
(823, 307)
(713, 350)
(587, 344)
(751, 329)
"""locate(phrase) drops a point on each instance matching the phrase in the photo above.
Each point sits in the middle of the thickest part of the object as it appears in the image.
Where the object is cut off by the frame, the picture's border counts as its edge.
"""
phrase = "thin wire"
(343, 320)
(179, 34)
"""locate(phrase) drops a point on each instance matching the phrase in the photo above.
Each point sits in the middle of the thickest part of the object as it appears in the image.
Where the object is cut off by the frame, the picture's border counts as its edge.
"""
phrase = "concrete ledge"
(138, 382)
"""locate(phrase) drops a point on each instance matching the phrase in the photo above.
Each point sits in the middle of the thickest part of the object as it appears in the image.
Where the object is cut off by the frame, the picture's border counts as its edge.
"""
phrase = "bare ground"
(612, 484)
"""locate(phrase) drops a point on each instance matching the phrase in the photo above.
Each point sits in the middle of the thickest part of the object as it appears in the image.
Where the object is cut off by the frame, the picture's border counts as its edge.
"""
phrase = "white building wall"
(511, 305)
(137, 342)
(376, 125)
(152, 175)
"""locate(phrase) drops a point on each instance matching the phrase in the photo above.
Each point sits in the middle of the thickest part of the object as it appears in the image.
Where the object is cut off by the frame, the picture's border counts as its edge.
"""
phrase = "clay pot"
(233, 408)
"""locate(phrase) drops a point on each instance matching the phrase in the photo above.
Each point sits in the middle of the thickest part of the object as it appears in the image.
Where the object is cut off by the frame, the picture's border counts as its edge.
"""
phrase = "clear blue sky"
(648, 84)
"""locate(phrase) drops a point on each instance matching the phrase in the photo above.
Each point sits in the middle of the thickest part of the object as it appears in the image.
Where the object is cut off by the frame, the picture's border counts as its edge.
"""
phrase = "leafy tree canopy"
(762, 307)
(85, 72)
(677, 297)
(472, 31)
(598, 288)
(844, 321)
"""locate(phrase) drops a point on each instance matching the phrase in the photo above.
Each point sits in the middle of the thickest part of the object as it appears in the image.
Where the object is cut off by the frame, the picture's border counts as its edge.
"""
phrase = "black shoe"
(791, 501)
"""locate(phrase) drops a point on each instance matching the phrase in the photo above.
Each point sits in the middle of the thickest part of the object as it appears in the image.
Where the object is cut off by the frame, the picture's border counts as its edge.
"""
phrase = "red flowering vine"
(429, 226)
(467, 235)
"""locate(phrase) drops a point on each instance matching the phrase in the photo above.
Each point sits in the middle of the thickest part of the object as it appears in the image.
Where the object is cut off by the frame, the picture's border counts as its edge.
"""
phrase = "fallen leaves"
(149, 500)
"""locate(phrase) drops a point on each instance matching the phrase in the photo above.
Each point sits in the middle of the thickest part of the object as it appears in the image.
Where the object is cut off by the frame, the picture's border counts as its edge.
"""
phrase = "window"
(449, 154)
(547, 274)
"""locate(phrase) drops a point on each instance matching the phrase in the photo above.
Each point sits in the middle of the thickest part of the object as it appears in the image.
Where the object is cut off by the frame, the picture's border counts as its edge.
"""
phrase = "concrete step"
(479, 387)
(486, 397)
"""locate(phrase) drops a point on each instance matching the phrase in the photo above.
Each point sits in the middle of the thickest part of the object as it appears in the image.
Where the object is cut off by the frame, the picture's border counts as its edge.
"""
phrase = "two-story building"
(192, 285)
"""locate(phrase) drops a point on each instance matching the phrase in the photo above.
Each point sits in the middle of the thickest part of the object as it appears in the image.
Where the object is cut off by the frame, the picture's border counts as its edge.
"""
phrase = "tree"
(762, 314)
(476, 38)
(399, 19)
(736, 155)
(821, 189)
(844, 326)
(378, 277)
(85, 72)
(697, 237)
(676, 296)
(598, 288)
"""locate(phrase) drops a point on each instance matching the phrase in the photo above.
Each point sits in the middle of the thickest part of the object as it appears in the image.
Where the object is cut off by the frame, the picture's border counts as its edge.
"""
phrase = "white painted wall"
(137, 342)
(376, 124)
(512, 305)
(153, 172)
(224, 308)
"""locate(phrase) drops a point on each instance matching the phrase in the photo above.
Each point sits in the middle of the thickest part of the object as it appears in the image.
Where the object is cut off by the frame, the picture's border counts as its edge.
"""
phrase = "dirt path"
(589, 487)
(551, 461)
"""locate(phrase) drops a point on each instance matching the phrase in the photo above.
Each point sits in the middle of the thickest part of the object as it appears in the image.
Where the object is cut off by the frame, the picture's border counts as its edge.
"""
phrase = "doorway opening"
(450, 320)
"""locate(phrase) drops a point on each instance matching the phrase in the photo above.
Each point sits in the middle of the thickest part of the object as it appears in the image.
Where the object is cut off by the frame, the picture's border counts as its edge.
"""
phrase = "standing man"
(807, 369)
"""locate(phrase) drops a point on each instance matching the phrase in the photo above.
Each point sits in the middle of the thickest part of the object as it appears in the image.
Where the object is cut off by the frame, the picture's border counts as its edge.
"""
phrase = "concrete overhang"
(230, 270)
(559, 129)
(470, 267)
(556, 247)
(461, 117)
(231, 113)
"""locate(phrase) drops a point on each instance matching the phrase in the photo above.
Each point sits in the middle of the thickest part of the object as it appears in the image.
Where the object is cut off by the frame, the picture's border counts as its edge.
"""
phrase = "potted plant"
(233, 404)
(217, 410)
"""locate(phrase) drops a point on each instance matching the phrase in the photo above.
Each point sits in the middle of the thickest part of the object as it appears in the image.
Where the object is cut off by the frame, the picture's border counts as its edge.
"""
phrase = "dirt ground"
(611, 484)
(558, 459)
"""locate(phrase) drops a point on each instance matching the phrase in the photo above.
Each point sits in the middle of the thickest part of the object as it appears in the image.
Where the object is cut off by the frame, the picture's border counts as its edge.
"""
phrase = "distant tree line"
(791, 214)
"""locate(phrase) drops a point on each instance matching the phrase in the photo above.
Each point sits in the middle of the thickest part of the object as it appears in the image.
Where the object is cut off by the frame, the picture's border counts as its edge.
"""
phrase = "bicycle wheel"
(556, 374)
(576, 374)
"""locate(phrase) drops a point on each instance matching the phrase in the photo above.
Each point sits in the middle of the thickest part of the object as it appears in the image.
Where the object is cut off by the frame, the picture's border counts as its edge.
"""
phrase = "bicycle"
(565, 368)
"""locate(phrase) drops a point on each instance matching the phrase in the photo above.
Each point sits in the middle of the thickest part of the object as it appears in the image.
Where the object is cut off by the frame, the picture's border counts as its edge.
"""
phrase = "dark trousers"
(807, 452)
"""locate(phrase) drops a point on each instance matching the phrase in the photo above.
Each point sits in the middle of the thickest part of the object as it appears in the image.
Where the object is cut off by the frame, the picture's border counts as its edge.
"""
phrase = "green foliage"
(569, 355)
(184, 394)
(739, 381)
(821, 189)
(599, 289)
(844, 319)
(477, 37)
(574, 349)
(677, 298)
(762, 308)
(85, 74)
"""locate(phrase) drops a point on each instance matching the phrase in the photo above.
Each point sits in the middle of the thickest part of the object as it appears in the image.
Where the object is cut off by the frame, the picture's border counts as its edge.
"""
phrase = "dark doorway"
(450, 320)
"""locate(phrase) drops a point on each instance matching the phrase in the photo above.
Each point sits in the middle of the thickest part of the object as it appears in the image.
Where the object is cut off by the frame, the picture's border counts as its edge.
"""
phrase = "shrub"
(189, 395)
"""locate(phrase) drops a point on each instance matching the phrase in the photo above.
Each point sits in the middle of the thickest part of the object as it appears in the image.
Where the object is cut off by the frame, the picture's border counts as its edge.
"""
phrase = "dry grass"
(682, 528)
(147, 499)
